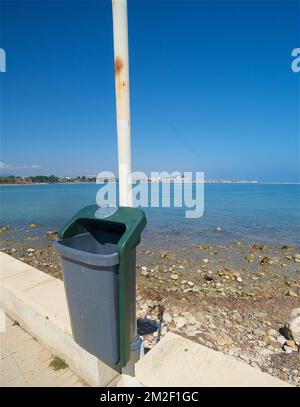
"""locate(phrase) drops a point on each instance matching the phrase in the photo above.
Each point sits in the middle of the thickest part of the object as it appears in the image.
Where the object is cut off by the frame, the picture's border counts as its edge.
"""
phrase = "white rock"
(191, 331)
(144, 271)
(174, 276)
(167, 317)
(272, 332)
(281, 340)
(287, 349)
(296, 257)
(239, 280)
(205, 261)
(190, 283)
(192, 320)
(295, 312)
(31, 250)
(294, 325)
(259, 332)
(150, 303)
(179, 322)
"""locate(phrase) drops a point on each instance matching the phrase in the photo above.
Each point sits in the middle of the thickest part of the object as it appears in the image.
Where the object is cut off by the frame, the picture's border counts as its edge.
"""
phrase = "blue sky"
(211, 88)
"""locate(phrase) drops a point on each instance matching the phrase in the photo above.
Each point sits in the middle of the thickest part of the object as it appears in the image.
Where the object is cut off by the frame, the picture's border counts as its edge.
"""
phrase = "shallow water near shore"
(267, 213)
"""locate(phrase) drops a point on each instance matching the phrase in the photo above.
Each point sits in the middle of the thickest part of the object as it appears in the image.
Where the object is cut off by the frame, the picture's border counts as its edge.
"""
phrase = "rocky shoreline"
(242, 299)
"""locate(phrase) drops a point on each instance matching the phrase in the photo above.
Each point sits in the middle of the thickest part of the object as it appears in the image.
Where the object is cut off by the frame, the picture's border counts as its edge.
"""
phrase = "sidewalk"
(24, 362)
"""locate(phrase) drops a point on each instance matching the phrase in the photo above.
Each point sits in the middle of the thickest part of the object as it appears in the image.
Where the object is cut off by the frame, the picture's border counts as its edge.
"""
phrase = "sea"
(267, 213)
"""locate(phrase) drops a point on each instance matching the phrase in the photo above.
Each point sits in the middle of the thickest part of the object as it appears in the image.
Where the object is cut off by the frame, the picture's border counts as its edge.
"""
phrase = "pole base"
(136, 353)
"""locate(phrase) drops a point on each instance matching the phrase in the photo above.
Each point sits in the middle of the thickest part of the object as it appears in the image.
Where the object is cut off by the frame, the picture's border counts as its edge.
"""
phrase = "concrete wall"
(176, 361)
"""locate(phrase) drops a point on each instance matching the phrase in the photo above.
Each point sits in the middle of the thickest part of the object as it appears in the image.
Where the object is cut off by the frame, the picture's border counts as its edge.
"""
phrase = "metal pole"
(120, 28)
(122, 99)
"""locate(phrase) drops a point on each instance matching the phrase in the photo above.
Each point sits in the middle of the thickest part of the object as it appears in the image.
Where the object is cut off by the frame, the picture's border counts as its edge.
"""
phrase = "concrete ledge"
(176, 361)
(38, 302)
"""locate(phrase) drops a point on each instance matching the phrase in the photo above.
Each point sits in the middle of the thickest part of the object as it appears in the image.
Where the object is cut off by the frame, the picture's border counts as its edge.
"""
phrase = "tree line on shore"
(38, 179)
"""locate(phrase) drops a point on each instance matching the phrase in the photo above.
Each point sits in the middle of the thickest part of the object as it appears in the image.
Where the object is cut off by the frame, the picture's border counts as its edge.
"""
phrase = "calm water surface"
(260, 212)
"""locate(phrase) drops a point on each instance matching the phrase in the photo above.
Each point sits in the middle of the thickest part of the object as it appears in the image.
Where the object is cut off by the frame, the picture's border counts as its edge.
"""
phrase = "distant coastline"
(12, 180)
(193, 182)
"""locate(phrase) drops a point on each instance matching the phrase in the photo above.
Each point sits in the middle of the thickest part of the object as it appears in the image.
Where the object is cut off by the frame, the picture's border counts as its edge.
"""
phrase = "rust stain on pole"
(119, 64)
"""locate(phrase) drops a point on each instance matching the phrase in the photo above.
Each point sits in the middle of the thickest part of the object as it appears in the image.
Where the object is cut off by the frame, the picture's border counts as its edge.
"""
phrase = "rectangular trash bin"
(90, 271)
(97, 253)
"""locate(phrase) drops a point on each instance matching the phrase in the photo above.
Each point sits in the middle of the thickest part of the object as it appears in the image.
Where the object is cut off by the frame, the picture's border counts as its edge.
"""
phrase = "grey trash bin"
(97, 247)
(90, 270)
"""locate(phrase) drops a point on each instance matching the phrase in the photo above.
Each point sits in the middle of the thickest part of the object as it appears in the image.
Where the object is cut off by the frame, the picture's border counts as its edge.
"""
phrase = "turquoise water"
(248, 212)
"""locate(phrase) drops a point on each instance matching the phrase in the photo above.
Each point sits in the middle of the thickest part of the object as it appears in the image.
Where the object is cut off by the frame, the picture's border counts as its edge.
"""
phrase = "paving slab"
(28, 365)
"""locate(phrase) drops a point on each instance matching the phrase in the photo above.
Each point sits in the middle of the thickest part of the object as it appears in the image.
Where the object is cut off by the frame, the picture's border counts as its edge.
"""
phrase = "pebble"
(267, 260)
(259, 246)
(287, 349)
(164, 255)
(272, 332)
(260, 314)
(205, 261)
(191, 332)
(294, 325)
(291, 293)
(192, 320)
(281, 340)
(31, 250)
(179, 322)
(237, 317)
(259, 333)
(183, 282)
(272, 339)
(285, 247)
(174, 276)
(167, 317)
(5, 228)
(52, 234)
(239, 280)
(290, 343)
(250, 258)
(296, 258)
(190, 283)
(223, 339)
(219, 229)
(144, 271)
(282, 375)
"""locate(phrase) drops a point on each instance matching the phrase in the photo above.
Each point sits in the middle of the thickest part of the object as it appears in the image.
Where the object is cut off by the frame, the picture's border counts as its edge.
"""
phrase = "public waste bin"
(97, 250)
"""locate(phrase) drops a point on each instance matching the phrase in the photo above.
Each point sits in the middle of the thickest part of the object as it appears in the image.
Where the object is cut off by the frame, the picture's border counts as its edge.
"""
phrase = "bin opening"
(97, 238)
